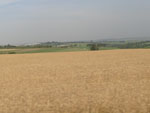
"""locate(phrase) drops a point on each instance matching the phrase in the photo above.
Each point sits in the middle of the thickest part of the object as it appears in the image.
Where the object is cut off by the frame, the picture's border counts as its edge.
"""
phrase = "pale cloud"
(4, 2)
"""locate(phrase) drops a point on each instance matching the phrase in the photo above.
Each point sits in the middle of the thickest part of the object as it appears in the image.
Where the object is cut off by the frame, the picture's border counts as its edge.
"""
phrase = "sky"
(33, 21)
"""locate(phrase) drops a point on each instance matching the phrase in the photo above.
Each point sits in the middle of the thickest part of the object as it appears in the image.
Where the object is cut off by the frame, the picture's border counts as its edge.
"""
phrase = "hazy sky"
(29, 21)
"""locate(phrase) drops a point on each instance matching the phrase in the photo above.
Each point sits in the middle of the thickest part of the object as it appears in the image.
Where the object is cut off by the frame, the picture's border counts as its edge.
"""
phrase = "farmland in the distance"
(112, 81)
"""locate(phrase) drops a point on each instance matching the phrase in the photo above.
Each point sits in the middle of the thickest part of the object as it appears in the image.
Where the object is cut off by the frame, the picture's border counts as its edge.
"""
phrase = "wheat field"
(111, 81)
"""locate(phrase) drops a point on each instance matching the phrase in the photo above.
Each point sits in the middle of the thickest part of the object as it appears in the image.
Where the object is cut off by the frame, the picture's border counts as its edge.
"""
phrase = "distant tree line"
(143, 44)
(91, 45)
(7, 46)
(119, 45)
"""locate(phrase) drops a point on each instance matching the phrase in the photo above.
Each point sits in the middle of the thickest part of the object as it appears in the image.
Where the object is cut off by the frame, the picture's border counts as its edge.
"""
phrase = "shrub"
(11, 52)
(94, 47)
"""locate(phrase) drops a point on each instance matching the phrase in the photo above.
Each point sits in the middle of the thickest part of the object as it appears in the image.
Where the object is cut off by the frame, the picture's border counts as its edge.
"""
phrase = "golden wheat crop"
(112, 81)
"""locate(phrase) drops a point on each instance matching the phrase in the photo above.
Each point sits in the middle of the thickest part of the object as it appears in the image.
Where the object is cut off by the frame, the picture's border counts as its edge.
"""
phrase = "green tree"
(94, 47)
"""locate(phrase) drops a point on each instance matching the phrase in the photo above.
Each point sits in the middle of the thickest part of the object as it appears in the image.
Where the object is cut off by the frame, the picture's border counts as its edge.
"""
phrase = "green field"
(39, 50)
